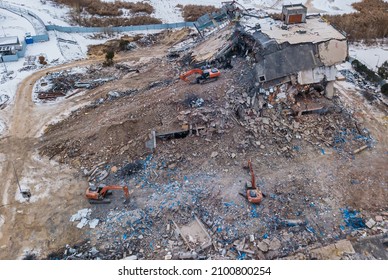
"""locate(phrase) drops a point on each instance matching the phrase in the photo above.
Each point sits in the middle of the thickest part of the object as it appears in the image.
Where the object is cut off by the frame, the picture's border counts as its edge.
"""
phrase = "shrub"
(384, 89)
(98, 7)
(109, 57)
(116, 21)
(383, 70)
(193, 12)
(369, 23)
(362, 69)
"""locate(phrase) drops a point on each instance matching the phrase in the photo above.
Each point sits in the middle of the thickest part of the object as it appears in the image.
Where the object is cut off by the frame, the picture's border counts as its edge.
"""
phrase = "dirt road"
(41, 224)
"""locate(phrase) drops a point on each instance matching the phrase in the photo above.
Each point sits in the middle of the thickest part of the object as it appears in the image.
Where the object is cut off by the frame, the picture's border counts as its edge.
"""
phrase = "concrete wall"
(333, 52)
(40, 38)
(316, 75)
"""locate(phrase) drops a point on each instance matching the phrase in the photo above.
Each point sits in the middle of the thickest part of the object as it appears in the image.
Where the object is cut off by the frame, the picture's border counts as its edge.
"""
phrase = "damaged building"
(298, 50)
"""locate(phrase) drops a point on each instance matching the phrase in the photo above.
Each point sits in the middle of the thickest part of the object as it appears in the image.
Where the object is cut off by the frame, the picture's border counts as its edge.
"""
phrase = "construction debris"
(301, 136)
(68, 83)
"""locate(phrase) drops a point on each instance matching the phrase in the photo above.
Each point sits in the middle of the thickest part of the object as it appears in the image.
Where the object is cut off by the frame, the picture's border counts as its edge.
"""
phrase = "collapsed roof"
(302, 48)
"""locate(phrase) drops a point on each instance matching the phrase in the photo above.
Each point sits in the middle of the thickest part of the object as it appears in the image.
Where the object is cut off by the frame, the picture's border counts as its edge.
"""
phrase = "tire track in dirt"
(42, 223)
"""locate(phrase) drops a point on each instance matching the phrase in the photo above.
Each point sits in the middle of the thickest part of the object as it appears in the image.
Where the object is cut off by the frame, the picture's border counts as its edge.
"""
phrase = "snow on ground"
(46, 10)
(14, 25)
(371, 56)
(335, 6)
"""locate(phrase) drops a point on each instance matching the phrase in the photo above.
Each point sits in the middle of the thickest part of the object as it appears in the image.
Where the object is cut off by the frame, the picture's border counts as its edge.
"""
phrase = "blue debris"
(310, 229)
(296, 148)
(227, 204)
(265, 236)
(124, 236)
(322, 151)
(242, 256)
(254, 213)
(352, 220)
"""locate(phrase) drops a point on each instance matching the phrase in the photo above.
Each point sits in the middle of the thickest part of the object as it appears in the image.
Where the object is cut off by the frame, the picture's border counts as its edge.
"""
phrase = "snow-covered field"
(46, 10)
(335, 6)
(372, 56)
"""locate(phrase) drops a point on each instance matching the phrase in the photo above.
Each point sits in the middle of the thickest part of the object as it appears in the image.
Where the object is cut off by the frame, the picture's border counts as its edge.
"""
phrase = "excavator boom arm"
(107, 188)
(189, 73)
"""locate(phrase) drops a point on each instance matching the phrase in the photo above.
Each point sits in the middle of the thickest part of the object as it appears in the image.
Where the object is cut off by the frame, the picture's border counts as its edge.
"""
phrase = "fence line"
(40, 28)
(81, 29)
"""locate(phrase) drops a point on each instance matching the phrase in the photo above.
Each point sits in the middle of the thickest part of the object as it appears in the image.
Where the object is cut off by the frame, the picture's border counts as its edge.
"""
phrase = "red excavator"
(96, 195)
(206, 75)
(253, 194)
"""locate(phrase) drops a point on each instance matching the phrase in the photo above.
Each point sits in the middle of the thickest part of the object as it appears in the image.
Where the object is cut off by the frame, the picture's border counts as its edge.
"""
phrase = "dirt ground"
(200, 174)
(42, 223)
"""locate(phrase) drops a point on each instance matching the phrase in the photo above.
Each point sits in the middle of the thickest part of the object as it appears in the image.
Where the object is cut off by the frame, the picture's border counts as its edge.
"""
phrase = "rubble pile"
(70, 82)
(189, 181)
(277, 130)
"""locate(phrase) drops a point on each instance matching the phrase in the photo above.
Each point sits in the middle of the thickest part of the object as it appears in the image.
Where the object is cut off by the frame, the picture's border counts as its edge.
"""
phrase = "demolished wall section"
(316, 75)
(333, 52)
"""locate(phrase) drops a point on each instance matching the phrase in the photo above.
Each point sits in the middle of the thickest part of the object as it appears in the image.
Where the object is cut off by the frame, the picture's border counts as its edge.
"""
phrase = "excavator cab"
(208, 75)
(205, 75)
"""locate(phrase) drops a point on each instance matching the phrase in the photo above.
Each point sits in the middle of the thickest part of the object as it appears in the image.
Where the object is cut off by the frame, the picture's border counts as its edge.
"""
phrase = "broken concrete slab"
(82, 223)
(130, 258)
(370, 223)
(188, 255)
(333, 251)
(214, 154)
(274, 244)
(262, 246)
(93, 223)
(194, 234)
(379, 219)
(83, 213)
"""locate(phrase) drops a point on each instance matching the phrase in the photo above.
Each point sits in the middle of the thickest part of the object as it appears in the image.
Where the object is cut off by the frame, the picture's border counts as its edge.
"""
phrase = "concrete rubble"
(187, 176)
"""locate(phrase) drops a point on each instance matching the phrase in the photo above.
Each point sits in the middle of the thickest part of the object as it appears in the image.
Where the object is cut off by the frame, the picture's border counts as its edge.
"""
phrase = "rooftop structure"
(314, 30)
(294, 13)
(305, 53)
(9, 45)
(6, 41)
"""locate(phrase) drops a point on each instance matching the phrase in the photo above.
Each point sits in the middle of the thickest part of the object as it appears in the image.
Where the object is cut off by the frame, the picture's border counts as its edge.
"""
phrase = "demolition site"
(241, 138)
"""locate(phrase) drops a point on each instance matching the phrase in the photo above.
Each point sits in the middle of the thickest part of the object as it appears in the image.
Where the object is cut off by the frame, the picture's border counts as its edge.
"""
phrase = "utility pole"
(16, 176)
(25, 193)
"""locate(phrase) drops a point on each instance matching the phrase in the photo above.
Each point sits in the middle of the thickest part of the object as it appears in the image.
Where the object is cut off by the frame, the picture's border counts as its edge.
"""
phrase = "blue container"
(29, 40)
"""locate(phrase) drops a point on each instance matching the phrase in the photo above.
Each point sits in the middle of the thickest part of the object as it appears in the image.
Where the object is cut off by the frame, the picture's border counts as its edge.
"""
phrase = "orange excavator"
(253, 194)
(96, 195)
(206, 75)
